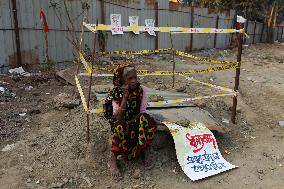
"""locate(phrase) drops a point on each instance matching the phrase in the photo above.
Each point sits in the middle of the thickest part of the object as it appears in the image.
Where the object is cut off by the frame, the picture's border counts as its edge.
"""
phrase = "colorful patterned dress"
(136, 130)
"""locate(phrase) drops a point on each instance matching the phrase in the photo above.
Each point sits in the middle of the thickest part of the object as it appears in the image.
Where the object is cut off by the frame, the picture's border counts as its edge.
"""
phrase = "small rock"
(57, 185)
(260, 171)
(65, 100)
(227, 152)
(28, 120)
(225, 121)
(137, 174)
(265, 154)
(22, 114)
(151, 185)
(28, 168)
(8, 147)
(281, 124)
(155, 98)
(181, 89)
(65, 180)
(280, 165)
(183, 180)
(136, 186)
(174, 171)
(87, 181)
(29, 180)
(148, 178)
(37, 182)
(250, 79)
(28, 88)
(102, 88)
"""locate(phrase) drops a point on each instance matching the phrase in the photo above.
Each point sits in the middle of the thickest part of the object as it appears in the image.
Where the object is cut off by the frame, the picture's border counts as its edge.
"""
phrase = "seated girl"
(132, 128)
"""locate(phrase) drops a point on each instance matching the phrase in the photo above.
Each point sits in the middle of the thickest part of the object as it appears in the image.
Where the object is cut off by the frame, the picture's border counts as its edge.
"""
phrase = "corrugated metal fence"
(60, 50)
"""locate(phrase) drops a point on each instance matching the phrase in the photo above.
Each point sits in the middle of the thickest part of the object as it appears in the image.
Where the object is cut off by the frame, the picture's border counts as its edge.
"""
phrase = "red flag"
(44, 21)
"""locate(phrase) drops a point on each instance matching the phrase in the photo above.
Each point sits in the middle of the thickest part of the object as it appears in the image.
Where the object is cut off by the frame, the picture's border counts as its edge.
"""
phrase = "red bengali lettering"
(198, 141)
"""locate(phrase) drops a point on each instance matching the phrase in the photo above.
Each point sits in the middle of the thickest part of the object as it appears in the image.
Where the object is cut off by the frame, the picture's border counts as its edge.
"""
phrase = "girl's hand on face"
(125, 89)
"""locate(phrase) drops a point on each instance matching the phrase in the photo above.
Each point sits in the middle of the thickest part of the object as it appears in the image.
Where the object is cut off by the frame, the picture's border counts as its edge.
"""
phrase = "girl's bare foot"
(114, 170)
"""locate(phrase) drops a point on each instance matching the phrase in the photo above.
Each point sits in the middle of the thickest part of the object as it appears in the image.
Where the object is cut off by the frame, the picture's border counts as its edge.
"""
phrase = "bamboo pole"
(238, 72)
(90, 85)
(173, 59)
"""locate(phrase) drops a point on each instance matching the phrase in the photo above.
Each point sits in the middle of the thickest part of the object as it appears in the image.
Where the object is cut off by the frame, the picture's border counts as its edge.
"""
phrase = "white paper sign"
(241, 19)
(115, 21)
(150, 24)
(133, 21)
(197, 151)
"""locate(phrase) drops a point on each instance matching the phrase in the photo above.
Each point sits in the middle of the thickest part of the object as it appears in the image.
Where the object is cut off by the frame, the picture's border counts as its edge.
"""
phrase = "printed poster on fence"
(197, 151)
(150, 25)
(134, 21)
(115, 21)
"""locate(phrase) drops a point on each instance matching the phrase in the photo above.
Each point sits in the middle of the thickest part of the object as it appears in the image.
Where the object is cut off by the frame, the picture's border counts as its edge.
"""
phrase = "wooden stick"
(174, 63)
(238, 72)
(90, 85)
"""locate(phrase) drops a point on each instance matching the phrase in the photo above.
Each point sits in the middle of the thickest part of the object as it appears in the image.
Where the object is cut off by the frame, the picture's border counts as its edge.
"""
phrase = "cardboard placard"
(115, 22)
(150, 25)
(134, 21)
(197, 151)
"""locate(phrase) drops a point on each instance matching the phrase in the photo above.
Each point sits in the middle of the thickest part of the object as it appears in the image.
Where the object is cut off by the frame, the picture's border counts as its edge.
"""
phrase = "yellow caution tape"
(209, 84)
(177, 52)
(176, 101)
(102, 27)
(85, 63)
(189, 72)
(205, 59)
(136, 52)
(243, 31)
(81, 94)
(167, 73)
(88, 26)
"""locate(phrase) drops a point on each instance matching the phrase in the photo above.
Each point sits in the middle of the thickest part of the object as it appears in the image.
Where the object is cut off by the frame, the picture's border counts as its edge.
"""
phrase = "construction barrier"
(176, 101)
(102, 27)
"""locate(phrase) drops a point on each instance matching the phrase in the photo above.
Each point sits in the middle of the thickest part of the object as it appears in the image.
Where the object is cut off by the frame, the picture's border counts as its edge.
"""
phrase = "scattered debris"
(281, 124)
(155, 98)
(84, 177)
(101, 89)
(65, 100)
(227, 152)
(22, 114)
(19, 71)
(224, 120)
(28, 168)
(181, 89)
(6, 93)
(28, 88)
(8, 147)
(66, 76)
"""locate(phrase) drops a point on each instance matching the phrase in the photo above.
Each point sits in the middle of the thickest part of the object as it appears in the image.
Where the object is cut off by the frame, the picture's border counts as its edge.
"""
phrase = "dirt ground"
(50, 148)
